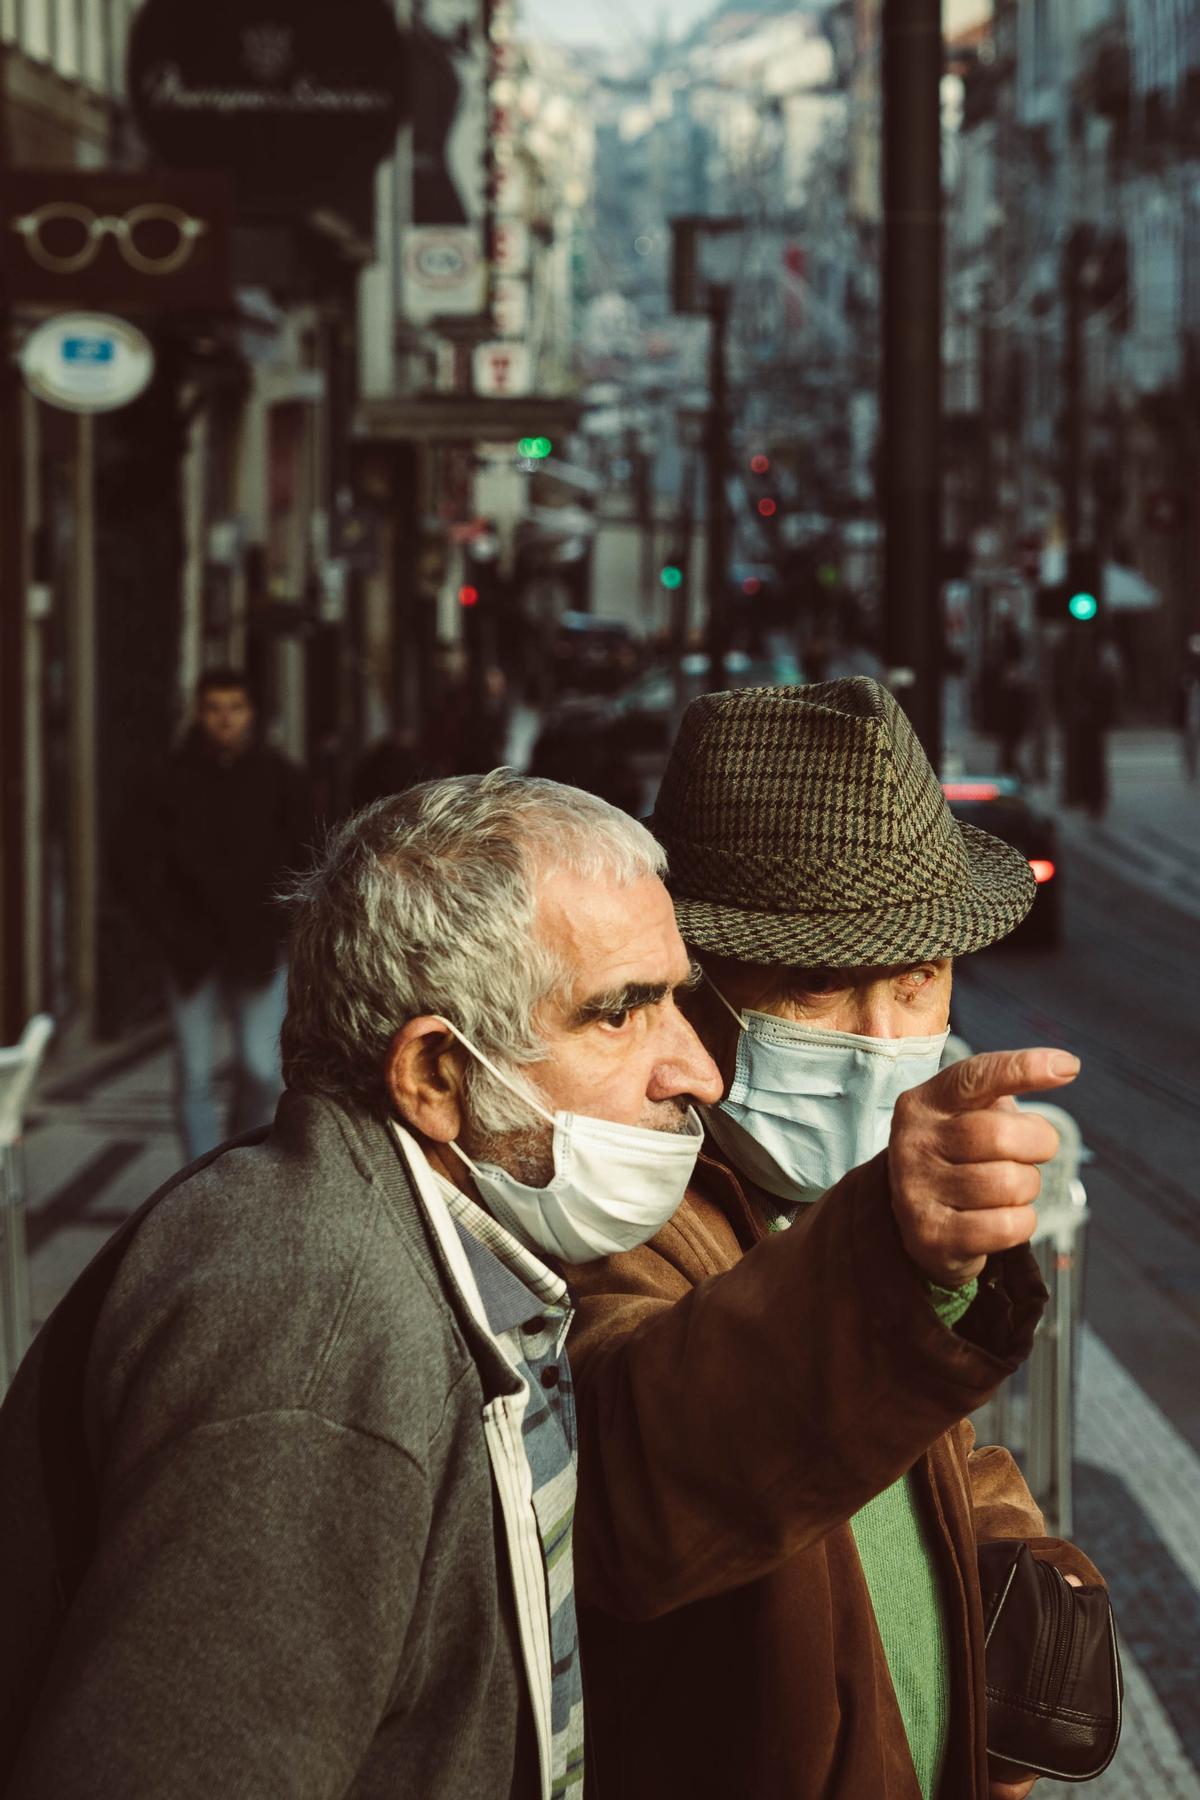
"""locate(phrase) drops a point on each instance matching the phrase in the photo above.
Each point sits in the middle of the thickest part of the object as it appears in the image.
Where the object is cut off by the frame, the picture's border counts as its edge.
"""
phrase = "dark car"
(592, 655)
(997, 803)
(644, 712)
(616, 746)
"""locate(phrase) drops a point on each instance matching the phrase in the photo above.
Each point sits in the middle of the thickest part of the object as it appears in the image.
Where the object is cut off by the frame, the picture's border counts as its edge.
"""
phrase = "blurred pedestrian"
(201, 860)
(469, 733)
(1090, 683)
(1189, 708)
(1008, 696)
(390, 765)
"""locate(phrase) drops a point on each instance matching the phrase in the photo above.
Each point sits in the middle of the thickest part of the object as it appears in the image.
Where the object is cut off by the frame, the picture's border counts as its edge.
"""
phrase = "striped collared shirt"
(529, 1313)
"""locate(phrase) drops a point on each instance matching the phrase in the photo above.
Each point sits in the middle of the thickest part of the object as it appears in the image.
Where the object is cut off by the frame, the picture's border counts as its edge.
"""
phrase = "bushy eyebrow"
(630, 997)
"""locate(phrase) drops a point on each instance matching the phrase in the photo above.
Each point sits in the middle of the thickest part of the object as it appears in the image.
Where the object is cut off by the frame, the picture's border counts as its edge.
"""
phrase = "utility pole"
(717, 521)
(643, 501)
(1083, 685)
(12, 696)
(1077, 252)
(912, 330)
(681, 599)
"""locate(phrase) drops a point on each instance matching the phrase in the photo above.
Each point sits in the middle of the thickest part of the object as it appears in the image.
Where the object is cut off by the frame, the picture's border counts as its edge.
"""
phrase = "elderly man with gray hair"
(288, 1489)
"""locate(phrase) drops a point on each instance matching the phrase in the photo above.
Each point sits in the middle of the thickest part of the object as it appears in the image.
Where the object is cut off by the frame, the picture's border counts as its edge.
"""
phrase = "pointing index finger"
(979, 1081)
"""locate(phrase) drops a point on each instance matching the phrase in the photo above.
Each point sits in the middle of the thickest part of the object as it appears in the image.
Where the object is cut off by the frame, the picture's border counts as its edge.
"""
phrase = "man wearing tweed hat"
(783, 1640)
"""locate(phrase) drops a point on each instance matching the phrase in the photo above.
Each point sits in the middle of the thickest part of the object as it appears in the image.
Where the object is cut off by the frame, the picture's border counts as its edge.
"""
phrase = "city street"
(395, 395)
(1123, 991)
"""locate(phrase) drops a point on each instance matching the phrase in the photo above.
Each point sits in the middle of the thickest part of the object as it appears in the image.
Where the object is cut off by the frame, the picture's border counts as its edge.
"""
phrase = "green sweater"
(901, 1571)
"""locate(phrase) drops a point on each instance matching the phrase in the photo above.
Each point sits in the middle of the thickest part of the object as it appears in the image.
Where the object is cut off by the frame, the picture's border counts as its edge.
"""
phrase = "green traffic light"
(671, 577)
(1083, 606)
(534, 449)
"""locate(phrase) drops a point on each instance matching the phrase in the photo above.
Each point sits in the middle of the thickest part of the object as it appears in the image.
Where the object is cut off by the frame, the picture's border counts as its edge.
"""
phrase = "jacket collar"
(743, 1204)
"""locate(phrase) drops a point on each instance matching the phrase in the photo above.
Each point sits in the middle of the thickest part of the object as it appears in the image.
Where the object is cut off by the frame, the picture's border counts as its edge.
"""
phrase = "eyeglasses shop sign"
(87, 362)
(278, 91)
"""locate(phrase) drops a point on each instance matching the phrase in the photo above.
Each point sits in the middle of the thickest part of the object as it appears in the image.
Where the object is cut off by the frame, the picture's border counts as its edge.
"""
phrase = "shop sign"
(510, 306)
(98, 237)
(450, 114)
(278, 91)
(501, 369)
(444, 272)
(510, 246)
(87, 362)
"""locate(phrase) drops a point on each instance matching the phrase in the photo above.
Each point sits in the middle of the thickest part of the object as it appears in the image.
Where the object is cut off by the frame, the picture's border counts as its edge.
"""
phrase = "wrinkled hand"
(963, 1161)
(1011, 1790)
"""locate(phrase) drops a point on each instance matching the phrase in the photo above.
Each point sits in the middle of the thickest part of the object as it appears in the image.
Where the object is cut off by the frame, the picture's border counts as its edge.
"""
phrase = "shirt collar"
(507, 1301)
(532, 1274)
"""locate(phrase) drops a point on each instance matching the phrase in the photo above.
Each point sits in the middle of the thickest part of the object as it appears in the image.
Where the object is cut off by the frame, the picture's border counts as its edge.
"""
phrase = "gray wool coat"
(249, 1544)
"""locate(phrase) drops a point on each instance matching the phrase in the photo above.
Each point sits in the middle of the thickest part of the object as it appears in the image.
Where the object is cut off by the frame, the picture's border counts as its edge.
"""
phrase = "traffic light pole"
(912, 325)
(1074, 370)
(717, 512)
(1083, 684)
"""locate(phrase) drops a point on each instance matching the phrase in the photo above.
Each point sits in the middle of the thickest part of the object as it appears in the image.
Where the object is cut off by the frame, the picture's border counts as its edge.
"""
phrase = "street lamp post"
(716, 558)
(705, 254)
(912, 328)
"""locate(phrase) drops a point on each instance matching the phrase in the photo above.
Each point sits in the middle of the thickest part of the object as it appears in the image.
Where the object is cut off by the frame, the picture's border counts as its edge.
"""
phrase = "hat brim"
(999, 891)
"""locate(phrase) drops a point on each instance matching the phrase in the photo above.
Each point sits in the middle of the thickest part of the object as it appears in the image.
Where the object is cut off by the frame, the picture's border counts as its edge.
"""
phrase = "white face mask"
(806, 1106)
(614, 1186)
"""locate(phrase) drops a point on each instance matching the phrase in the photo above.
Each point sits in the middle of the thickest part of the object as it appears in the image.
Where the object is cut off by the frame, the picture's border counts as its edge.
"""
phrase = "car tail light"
(1043, 870)
(971, 790)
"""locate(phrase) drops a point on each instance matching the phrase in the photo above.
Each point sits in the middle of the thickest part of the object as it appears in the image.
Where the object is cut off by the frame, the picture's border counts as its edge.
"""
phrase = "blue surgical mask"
(806, 1106)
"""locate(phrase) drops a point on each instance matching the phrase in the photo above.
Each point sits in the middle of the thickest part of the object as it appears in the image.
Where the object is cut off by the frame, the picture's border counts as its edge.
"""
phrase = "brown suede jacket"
(741, 1395)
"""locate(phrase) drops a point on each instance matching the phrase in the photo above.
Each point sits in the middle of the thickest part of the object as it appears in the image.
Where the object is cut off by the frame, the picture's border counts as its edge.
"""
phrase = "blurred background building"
(386, 309)
(415, 406)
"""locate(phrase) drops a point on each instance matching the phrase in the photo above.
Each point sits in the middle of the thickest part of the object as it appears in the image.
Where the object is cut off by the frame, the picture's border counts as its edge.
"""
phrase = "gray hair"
(426, 902)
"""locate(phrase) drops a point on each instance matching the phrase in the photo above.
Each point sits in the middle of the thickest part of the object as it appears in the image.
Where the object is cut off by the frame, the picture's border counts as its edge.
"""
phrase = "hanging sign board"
(510, 306)
(449, 114)
(110, 237)
(510, 246)
(87, 362)
(503, 368)
(280, 92)
(445, 275)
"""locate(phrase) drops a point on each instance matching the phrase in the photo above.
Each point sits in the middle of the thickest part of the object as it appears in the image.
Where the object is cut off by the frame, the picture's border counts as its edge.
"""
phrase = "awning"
(464, 418)
(1127, 591)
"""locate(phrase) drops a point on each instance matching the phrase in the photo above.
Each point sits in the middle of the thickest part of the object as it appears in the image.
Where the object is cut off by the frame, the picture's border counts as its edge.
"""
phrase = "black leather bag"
(1054, 1687)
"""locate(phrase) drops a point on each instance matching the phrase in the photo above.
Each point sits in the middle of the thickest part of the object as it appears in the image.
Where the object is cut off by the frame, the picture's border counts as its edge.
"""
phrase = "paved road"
(1124, 993)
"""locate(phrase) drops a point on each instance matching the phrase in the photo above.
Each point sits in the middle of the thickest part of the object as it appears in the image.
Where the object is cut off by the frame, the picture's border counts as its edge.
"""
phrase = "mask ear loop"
(737, 1017)
(490, 1066)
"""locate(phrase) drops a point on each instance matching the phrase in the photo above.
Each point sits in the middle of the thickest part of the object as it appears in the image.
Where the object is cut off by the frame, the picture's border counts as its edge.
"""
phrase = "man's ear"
(425, 1079)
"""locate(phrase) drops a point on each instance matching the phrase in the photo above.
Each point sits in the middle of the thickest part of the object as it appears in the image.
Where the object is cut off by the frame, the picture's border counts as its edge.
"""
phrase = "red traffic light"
(752, 585)
(468, 596)
(760, 463)
(767, 508)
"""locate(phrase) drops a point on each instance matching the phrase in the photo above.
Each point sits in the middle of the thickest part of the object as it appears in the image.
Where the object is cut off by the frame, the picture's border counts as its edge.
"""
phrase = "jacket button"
(550, 1377)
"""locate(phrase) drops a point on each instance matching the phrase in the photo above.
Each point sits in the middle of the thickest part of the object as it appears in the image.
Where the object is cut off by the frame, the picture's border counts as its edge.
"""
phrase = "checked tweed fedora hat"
(805, 826)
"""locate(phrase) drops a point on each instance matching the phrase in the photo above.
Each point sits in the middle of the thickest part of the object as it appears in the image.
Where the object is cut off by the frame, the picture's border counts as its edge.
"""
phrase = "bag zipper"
(1063, 1636)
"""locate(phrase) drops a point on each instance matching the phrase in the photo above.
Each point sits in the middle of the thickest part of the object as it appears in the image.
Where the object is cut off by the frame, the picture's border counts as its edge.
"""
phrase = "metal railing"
(19, 1065)
(1034, 1412)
